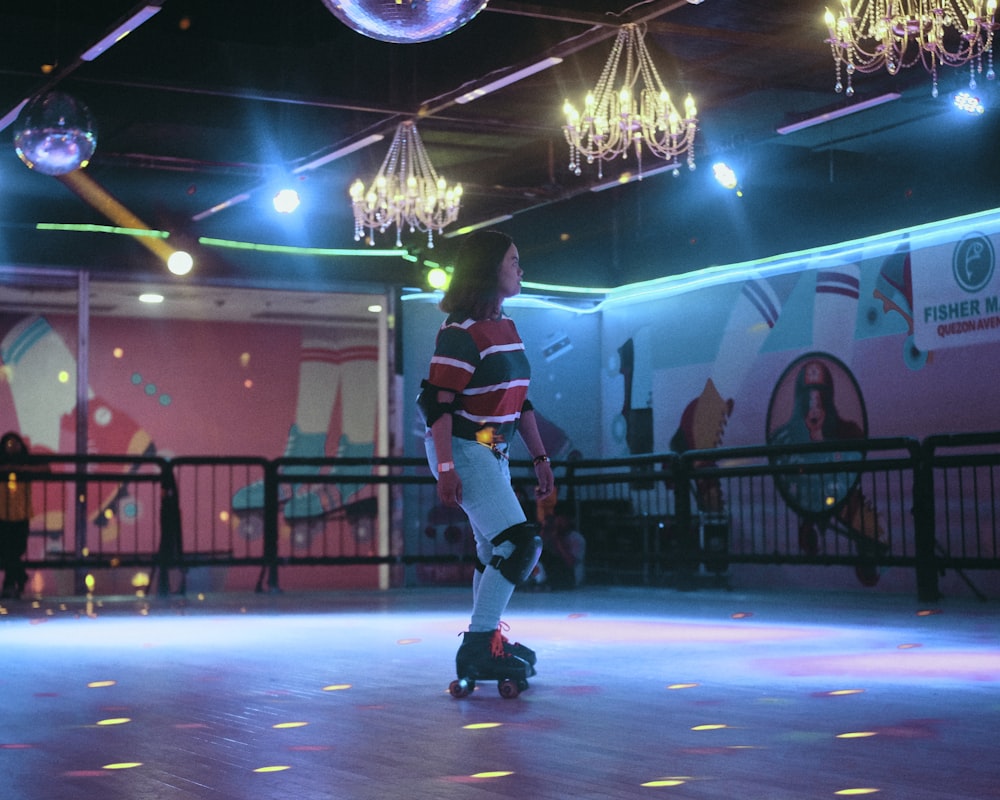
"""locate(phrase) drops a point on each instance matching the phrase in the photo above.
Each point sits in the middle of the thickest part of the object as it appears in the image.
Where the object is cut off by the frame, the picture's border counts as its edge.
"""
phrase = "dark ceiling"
(211, 99)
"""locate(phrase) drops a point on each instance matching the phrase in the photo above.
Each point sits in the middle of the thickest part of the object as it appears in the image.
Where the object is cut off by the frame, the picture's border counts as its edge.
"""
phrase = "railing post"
(170, 552)
(928, 589)
(687, 537)
(269, 569)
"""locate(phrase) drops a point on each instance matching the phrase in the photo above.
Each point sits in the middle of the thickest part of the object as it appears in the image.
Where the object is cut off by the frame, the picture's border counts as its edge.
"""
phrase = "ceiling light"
(827, 116)
(867, 35)
(286, 201)
(406, 191)
(971, 105)
(507, 80)
(725, 175)
(338, 153)
(486, 223)
(119, 32)
(13, 114)
(151, 297)
(615, 119)
(232, 201)
(438, 278)
(628, 177)
(284, 249)
(180, 262)
(315, 163)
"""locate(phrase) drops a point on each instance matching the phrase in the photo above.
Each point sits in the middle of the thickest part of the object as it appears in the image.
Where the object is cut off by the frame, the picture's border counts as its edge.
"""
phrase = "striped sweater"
(484, 364)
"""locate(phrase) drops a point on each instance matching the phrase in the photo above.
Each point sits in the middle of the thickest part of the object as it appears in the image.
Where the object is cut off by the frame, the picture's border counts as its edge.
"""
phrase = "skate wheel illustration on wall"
(359, 516)
(247, 505)
(249, 524)
(303, 531)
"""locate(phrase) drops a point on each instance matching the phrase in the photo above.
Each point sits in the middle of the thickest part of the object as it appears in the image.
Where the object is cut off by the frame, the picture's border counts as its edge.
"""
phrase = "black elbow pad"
(429, 407)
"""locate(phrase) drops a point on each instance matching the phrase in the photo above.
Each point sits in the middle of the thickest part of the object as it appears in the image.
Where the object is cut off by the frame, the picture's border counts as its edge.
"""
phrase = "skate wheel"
(461, 688)
(522, 685)
(249, 524)
(508, 689)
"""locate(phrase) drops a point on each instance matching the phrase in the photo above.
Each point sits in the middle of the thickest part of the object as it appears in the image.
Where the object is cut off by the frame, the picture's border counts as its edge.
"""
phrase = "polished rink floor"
(640, 693)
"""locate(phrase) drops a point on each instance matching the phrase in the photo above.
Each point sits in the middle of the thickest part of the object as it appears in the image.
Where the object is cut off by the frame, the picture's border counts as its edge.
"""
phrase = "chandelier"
(407, 191)
(867, 35)
(615, 119)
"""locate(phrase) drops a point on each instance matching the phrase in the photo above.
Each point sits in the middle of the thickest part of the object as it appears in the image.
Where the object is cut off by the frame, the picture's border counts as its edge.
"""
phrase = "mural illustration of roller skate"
(336, 392)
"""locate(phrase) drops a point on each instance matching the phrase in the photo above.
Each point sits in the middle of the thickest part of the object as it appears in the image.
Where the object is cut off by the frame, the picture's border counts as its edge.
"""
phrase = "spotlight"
(969, 104)
(286, 201)
(180, 262)
(724, 175)
(438, 278)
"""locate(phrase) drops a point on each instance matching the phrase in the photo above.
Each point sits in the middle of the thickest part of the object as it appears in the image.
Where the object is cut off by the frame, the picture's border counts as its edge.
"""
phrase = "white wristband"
(446, 466)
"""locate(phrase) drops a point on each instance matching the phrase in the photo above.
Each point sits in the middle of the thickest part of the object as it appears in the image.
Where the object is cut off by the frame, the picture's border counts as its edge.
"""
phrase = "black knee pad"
(527, 548)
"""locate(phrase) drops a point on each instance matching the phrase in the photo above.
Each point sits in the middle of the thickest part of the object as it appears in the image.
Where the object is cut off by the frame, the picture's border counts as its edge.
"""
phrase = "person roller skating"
(473, 402)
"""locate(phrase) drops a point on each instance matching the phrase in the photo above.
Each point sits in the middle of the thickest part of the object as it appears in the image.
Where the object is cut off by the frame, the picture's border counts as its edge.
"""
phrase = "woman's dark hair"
(474, 290)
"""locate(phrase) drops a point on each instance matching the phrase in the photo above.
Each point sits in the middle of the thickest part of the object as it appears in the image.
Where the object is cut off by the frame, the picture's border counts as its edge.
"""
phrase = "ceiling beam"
(608, 19)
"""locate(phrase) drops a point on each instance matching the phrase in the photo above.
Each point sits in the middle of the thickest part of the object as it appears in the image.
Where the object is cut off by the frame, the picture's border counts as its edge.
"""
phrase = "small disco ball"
(55, 134)
(405, 21)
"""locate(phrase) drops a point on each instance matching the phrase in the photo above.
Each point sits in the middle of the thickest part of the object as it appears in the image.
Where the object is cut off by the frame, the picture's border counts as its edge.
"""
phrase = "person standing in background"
(15, 514)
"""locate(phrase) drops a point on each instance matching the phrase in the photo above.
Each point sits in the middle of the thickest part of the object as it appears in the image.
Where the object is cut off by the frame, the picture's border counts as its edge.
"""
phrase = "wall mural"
(895, 339)
(184, 388)
(892, 344)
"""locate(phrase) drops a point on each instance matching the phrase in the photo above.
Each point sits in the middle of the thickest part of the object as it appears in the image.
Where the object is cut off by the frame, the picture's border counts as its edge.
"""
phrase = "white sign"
(956, 293)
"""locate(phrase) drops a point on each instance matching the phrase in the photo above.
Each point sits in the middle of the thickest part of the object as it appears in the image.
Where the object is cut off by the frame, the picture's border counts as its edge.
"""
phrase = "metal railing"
(662, 519)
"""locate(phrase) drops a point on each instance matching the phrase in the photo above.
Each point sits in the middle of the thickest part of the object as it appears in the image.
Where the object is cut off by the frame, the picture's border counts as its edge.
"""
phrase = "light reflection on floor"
(639, 693)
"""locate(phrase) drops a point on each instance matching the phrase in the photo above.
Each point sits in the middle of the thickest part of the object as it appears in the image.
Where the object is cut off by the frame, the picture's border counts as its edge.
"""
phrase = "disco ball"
(405, 21)
(55, 134)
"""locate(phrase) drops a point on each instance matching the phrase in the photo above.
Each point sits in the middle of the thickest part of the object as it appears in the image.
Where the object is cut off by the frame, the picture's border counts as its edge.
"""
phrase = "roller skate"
(516, 648)
(482, 657)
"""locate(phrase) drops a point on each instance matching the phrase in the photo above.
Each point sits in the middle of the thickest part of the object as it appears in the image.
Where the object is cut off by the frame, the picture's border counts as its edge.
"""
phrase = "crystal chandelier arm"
(601, 136)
